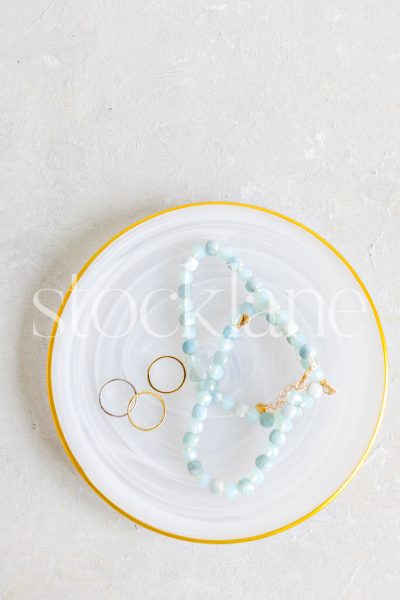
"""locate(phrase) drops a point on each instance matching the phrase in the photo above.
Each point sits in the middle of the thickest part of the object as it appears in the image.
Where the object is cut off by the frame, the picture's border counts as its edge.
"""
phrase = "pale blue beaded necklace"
(292, 400)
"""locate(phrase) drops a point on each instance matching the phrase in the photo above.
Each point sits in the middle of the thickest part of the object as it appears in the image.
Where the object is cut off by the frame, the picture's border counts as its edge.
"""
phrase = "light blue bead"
(220, 357)
(307, 403)
(288, 411)
(185, 276)
(191, 439)
(215, 372)
(263, 462)
(187, 319)
(252, 416)
(317, 374)
(244, 274)
(192, 361)
(216, 487)
(305, 363)
(217, 397)
(194, 467)
(256, 476)
(246, 486)
(284, 425)
(225, 252)
(281, 317)
(204, 398)
(277, 437)
(272, 318)
(294, 398)
(189, 453)
(231, 490)
(196, 375)
(247, 309)
(184, 291)
(267, 419)
(190, 347)
(225, 345)
(296, 340)
(207, 385)
(204, 480)
(252, 284)
(234, 263)
(189, 332)
(196, 426)
(307, 351)
(212, 248)
(228, 402)
(198, 251)
(262, 298)
(199, 412)
(271, 450)
(230, 332)
(186, 304)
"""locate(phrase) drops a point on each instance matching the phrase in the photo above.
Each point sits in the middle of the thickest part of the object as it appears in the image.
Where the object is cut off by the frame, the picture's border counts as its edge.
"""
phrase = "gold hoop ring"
(132, 404)
(125, 414)
(153, 363)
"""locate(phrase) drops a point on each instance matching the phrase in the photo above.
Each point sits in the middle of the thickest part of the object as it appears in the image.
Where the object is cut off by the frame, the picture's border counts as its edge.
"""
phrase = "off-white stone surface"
(111, 110)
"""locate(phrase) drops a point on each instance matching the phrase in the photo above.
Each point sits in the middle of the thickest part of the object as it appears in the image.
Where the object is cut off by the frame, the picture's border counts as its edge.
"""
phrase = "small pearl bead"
(228, 402)
(246, 486)
(244, 274)
(196, 426)
(231, 490)
(241, 409)
(225, 252)
(196, 375)
(290, 328)
(217, 486)
(315, 390)
(198, 251)
(189, 453)
(234, 263)
(289, 411)
(256, 476)
(225, 345)
(252, 416)
(185, 276)
(187, 319)
(317, 374)
(189, 333)
(191, 264)
(204, 480)
(220, 357)
(204, 398)
(215, 371)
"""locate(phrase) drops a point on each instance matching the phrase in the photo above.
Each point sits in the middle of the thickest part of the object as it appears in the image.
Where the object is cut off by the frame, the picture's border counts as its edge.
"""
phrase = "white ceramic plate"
(143, 475)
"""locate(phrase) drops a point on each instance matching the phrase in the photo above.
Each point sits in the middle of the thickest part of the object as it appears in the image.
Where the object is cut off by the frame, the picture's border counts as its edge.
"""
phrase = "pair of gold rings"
(134, 397)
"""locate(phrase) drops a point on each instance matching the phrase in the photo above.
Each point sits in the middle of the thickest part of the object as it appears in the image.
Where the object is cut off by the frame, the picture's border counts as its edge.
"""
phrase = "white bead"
(241, 409)
(191, 264)
(315, 390)
(290, 328)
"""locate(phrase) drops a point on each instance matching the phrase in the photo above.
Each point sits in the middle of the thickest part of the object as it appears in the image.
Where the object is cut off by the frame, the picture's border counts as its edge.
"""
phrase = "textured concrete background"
(111, 110)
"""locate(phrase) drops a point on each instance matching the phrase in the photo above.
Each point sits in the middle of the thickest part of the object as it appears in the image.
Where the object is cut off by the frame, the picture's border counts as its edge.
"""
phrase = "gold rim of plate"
(168, 533)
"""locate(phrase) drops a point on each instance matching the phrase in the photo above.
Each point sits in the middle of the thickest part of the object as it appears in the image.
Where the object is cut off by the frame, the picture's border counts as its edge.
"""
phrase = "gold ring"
(132, 404)
(153, 363)
(125, 414)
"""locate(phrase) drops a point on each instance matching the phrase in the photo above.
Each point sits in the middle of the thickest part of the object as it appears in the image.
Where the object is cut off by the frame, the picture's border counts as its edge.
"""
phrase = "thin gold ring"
(125, 414)
(153, 363)
(132, 404)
